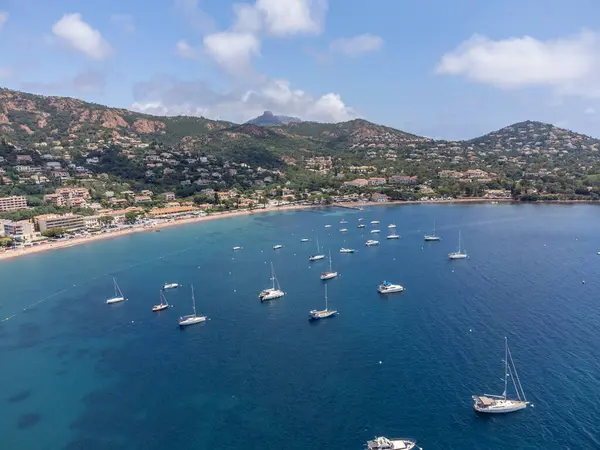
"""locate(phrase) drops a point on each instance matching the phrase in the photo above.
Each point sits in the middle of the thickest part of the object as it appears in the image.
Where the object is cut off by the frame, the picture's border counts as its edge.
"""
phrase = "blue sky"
(449, 69)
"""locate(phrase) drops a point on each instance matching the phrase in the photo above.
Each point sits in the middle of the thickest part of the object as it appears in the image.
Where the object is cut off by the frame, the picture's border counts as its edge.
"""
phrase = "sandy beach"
(10, 254)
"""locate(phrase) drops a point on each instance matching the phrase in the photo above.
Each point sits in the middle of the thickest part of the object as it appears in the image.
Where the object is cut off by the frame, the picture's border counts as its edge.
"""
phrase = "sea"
(76, 373)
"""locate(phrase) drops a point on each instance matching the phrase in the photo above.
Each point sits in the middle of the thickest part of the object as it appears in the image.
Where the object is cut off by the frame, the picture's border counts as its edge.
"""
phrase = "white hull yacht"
(274, 291)
(318, 314)
(460, 253)
(118, 298)
(383, 443)
(388, 288)
(329, 274)
(163, 303)
(318, 256)
(191, 319)
(170, 286)
(501, 404)
(371, 243)
(431, 237)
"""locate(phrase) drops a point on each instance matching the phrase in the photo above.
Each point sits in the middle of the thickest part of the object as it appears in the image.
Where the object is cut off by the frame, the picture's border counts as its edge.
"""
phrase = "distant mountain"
(269, 119)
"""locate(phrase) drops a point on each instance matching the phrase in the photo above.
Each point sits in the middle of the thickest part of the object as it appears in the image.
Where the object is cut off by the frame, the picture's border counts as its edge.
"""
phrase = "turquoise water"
(79, 374)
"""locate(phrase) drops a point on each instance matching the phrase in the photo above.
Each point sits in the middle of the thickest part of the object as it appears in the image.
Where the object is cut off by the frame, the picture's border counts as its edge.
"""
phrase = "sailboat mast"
(459, 242)
(193, 301)
(505, 365)
(330, 261)
(325, 297)
(318, 248)
(514, 369)
(273, 275)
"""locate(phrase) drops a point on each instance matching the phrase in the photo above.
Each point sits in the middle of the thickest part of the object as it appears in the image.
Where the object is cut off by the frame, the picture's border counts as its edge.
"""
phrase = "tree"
(130, 217)
(106, 220)
(6, 242)
(54, 232)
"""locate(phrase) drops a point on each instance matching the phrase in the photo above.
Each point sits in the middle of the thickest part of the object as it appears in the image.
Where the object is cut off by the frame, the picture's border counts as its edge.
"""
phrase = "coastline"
(10, 254)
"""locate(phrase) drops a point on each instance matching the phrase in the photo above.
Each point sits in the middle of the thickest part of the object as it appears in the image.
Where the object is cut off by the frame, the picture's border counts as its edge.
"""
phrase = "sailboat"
(191, 319)
(163, 303)
(118, 294)
(501, 404)
(273, 292)
(460, 253)
(330, 274)
(318, 255)
(432, 236)
(317, 314)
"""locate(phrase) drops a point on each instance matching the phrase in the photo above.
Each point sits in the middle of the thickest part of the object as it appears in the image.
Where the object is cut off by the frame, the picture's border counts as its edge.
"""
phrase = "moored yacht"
(388, 288)
(393, 236)
(347, 250)
(304, 240)
(170, 286)
(329, 274)
(371, 243)
(118, 297)
(361, 225)
(343, 230)
(163, 303)
(431, 237)
(383, 443)
(317, 256)
(317, 314)
(375, 222)
(191, 319)
(375, 231)
(343, 221)
(274, 291)
(501, 404)
(237, 247)
(460, 253)
(277, 246)
(392, 225)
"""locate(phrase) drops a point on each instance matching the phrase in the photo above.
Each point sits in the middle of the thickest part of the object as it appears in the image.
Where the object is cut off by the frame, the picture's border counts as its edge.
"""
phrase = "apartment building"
(70, 222)
(13, 203)
(22, 229)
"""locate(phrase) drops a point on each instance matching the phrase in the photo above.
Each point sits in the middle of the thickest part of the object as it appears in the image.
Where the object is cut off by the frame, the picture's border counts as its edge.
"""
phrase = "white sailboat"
(163, 303)
(329, 274)
(191, 319)
(432, 237)
(317, 314)
(317, 256)
(501, 404)
(273, 292)
(392, 225)
(460, 253)
(118, 294)
(383, 443)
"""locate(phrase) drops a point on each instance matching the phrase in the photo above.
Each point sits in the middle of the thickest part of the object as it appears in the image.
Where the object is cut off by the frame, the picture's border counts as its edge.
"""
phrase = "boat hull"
(431, 239)
(156, 308)
(270, 296)
(505, 410)
(110, 301)
(457, 256)
(191, 321)
(390, 290)
(316, 258)
(486, 405)
(319, 315)
(393, 236)
(328, 275)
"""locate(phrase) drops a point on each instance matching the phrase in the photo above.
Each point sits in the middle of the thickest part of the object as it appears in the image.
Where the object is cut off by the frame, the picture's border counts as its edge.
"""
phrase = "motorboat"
(383, 443)
(375, 222)
(371, 243)
(393, 236)
(343, 230)
(392, 225)
(277, 246)
(304, 240)
(237, 248)
(347, 250)
(387, 287)
(167, 286)
(361, 225)
(375, 231)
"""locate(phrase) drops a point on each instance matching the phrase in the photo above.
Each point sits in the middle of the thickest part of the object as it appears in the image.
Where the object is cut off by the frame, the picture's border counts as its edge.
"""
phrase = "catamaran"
(501, 404)
(460, 253)
(383, 443)
(432, 236)
(317, 314)
(163, 303)
(273, 292)
(191, 319)
(118, 294)
(329, 274)
(170, 286)
(388, 288)
(317, 256)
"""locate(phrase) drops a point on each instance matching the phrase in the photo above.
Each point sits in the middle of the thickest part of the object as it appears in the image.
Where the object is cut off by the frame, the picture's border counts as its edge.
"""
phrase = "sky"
(444, 69)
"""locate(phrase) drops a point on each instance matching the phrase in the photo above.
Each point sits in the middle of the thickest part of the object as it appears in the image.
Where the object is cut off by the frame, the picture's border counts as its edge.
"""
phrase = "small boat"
(304, 240)
(460, 252)
(343, 221)
(343, 230)
(170, 286)
(387, 287)
(494, 203)
(393, 236)
(118, 294)
(273, 292)
(329, 274)
(431, 237)
(277, 246)
(375, 222)
(360, 219)
(327, 226)
(163, 303)
(347, 250)
(317, 256)
(191, 319)
(361, 225)
(501, 404)
(392, 225)
(317, 314)
(237, 248)
(375, 231)
(371, 243)
(383, 443)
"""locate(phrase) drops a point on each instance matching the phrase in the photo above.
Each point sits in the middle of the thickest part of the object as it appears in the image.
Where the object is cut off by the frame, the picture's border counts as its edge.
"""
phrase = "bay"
(80, 374)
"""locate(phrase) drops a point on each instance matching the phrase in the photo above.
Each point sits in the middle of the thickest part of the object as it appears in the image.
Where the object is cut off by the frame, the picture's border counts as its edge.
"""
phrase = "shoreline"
(11, 254)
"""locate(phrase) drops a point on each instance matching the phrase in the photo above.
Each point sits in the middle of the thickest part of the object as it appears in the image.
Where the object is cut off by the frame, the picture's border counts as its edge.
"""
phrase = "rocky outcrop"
(26, 128)
(144, 126)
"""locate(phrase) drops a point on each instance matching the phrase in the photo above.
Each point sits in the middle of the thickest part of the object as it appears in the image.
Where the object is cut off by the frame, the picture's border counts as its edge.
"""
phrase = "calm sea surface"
(79, 374)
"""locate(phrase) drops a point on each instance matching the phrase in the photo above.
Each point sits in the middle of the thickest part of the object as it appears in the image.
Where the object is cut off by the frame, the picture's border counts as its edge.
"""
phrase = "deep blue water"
(79, 374)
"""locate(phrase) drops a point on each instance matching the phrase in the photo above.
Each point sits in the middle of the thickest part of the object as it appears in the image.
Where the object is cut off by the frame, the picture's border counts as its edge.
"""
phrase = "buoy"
(380, 362)
(470, 331)
(582, 281)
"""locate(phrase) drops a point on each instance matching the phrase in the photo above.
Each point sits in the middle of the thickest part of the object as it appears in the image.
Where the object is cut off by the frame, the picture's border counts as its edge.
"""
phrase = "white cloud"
(3, 18)
(247, 18)
(125, 21)
(80, 36)
(357, 45)
(290, 17)
(569, 65)
(191, 11)
(232, 50)
(186, 51)
(167, 96)
(590, 111)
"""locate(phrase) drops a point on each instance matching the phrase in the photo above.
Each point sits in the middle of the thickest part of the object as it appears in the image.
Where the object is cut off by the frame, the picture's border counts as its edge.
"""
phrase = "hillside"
(269, 119)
